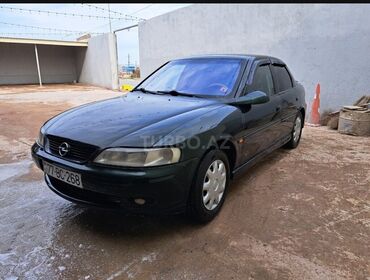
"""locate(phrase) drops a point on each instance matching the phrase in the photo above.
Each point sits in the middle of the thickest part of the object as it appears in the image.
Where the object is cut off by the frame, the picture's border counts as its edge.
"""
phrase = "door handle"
(278, 108)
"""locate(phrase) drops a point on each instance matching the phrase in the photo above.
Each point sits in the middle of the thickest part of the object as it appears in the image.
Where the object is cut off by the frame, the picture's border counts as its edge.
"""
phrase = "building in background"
(128, 69)
(37, 61)
(326, 44)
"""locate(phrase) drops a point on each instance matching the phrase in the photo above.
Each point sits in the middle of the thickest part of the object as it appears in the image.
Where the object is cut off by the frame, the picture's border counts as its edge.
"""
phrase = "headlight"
(40, 139)
(132, 157)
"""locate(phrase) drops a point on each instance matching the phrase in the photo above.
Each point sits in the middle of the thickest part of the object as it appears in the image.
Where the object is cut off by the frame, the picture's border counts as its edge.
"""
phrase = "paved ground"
(302, 214)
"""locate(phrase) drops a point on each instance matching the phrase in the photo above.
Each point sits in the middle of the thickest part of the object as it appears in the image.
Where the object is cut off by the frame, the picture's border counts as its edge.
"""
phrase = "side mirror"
(255, 97)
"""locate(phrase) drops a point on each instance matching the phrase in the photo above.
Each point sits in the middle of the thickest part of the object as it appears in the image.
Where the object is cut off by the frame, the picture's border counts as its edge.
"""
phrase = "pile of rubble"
(354, 120)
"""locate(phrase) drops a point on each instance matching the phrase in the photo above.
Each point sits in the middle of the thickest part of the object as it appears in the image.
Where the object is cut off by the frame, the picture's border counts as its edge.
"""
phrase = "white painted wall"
(98, 64)
(326, 44)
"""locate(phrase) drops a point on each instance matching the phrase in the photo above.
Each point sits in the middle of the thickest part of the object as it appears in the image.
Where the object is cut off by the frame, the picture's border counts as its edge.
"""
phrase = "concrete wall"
(326, 44)
(98, 64)
(18, 64)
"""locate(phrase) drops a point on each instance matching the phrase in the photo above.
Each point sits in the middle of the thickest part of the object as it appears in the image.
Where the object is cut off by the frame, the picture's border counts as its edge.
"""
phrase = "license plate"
(62, 174)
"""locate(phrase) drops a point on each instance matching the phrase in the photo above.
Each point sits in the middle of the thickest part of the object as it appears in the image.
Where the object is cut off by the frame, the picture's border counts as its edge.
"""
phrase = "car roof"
(240, 56)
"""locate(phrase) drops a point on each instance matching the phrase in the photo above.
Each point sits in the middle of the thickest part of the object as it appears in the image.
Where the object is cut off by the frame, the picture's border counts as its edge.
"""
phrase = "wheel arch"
(226, 145)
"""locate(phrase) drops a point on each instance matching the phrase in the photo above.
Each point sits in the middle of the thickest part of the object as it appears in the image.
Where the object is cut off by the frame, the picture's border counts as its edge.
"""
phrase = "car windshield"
(204, 76)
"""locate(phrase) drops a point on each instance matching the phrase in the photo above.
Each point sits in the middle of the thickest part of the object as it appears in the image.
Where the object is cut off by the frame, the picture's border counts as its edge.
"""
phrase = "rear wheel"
(296, 133)
(210, 186)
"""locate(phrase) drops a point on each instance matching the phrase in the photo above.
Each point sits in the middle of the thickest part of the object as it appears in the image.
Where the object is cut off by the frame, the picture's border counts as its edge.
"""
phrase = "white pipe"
(125, 28)
(38, 65)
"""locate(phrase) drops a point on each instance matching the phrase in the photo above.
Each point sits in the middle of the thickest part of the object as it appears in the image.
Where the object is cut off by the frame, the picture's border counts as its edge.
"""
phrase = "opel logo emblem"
(64, 149)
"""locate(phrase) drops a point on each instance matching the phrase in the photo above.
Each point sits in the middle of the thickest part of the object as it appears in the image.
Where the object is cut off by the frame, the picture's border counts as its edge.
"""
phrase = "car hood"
(133, 120)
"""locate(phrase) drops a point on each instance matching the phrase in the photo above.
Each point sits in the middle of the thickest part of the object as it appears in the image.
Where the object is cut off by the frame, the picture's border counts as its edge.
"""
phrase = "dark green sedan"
(174, 143)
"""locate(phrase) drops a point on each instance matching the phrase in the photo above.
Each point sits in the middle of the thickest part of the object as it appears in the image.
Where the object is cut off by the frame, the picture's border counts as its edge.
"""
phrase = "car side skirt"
(238, 171)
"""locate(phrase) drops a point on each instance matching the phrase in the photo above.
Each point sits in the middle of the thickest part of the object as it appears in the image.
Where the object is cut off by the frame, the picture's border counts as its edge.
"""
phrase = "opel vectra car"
(174, 143)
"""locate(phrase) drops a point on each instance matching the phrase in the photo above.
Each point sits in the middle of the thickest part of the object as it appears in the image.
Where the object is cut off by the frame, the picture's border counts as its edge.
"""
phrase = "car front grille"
(79, 152)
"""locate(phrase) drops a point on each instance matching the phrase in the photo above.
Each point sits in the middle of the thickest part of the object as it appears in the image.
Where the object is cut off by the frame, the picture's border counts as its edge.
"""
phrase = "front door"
(262, 121)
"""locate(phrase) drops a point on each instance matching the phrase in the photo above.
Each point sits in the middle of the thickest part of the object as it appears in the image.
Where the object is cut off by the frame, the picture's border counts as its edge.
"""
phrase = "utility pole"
(128, 60)
(110, 23)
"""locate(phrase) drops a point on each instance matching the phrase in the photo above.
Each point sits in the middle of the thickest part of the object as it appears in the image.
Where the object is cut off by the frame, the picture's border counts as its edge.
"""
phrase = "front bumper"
(164, 188)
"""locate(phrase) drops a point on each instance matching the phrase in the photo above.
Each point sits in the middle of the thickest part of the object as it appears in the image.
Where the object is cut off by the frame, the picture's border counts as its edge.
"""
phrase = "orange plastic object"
(315, 115)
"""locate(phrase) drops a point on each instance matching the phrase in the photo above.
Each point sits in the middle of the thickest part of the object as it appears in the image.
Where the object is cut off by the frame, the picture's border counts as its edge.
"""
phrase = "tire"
(197, 209)
(294, 137)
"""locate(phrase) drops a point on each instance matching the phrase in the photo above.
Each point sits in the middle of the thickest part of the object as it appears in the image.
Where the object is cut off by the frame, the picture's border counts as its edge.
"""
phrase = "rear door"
(284, 87)
(260, 121)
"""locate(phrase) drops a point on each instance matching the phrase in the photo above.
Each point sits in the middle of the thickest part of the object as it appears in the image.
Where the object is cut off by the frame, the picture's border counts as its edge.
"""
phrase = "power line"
(99, 26)
(113, 12)
(114, 21)
(40, 28)
(13, 9)
(45, 33)
(28, 33)
(147, 6)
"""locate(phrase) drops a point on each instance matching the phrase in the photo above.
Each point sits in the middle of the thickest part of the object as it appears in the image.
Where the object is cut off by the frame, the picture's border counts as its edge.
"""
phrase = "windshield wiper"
(146, 91)
(175, 93)
(170, 92)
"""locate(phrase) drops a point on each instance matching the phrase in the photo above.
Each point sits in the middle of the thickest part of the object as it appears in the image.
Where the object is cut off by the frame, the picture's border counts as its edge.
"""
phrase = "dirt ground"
(300, 214)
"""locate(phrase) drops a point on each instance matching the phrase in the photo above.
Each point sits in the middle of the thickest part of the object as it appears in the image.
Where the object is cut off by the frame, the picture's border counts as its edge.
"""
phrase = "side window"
(262, 80)
(283, 79)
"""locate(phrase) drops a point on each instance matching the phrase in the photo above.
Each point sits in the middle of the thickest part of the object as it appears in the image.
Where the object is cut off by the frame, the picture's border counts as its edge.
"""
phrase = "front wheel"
(296, 132)
(209, 189)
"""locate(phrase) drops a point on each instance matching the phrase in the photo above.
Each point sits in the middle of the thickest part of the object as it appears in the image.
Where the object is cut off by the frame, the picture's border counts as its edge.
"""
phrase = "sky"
(127, 41)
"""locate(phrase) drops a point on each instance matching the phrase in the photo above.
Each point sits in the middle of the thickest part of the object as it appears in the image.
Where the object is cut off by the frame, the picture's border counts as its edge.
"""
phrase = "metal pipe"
(117, 30)
(38, 65)
(124, 28)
